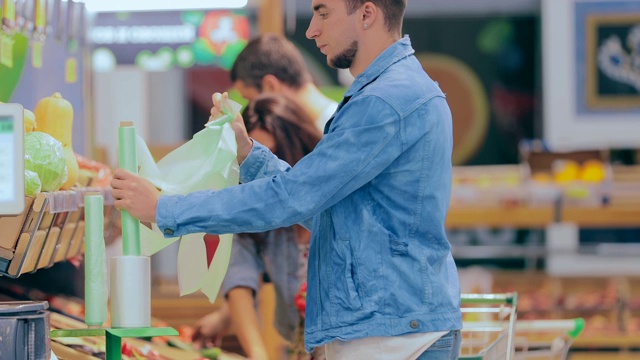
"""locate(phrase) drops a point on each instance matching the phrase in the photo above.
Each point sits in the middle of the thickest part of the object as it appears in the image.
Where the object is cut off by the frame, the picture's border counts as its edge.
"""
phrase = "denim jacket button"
(414, 324)
(168, 231)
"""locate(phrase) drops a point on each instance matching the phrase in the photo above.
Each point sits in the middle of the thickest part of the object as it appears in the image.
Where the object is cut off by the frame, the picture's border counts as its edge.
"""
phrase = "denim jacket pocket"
(343, 293)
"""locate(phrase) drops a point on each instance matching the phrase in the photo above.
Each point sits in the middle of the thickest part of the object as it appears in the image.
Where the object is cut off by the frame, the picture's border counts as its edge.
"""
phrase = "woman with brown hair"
(282, 125)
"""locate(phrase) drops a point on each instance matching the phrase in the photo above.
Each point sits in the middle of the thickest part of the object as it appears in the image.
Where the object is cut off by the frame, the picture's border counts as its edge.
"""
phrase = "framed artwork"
(591, 73)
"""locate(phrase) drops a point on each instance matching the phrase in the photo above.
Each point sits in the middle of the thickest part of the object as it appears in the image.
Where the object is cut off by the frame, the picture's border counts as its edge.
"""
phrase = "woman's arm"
(245, 319)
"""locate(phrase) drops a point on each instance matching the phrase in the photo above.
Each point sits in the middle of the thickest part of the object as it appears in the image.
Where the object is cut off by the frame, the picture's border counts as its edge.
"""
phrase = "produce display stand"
(50, 230)
(113, 337)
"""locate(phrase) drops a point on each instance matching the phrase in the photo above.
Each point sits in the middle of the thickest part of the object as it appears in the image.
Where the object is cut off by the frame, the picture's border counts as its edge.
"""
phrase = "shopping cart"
(488, 326)
(546, 339)
(491, 331)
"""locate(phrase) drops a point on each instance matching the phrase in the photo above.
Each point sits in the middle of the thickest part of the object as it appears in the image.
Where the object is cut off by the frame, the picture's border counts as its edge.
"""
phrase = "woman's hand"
(245, 144)
(210, 329)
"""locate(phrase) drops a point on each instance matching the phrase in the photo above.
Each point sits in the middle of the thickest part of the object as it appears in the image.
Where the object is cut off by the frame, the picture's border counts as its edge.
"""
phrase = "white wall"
(156, 102)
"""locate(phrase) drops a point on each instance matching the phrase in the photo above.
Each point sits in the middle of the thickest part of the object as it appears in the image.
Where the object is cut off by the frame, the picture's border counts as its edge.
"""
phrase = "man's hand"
(135, 194)
(211, 328)
(245, 144)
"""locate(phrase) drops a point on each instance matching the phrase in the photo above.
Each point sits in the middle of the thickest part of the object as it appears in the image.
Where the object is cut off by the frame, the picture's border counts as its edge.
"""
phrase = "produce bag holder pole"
(128, 158)
(131, 247)
(113, 337)
(130, 282)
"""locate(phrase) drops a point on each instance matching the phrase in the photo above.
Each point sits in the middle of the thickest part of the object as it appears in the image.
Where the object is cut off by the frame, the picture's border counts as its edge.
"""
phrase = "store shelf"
(592, 265)
(579, 355)
(613, 216)
(618, 341)
(521, 216)
(497, 252)
(499, 216)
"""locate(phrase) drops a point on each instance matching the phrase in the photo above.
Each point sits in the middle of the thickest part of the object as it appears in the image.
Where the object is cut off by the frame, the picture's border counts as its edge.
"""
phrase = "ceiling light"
(161, 5)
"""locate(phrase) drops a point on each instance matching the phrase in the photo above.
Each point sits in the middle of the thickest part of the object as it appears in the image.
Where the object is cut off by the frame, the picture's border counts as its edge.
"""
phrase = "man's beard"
(344, 59)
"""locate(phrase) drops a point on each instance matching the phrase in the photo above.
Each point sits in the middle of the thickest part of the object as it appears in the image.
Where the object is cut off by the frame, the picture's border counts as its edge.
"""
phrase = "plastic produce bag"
(32, 184)
(43, 155)
(208, 161)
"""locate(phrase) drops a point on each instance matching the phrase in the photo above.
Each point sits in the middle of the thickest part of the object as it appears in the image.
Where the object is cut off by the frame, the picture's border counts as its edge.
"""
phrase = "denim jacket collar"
(397, 51)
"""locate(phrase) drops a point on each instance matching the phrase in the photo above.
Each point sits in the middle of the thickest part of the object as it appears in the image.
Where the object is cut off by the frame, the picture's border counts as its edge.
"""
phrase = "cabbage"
(32, 184)
(44, 155)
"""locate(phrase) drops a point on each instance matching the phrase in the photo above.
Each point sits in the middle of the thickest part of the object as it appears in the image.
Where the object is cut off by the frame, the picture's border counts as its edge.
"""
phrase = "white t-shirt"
(408, 347)
(324, 117)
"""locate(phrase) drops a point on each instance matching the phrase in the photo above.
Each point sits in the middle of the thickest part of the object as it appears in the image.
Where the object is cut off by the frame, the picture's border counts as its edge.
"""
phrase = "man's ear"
(271, 84)
(369, 13)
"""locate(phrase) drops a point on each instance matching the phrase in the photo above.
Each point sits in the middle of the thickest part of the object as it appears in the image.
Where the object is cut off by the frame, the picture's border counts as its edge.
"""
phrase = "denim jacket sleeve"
(263, 163)
(365, 137)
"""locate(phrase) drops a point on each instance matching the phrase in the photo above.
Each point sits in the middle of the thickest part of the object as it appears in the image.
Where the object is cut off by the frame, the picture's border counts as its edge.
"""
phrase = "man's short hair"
(393, 11)
(270, 54)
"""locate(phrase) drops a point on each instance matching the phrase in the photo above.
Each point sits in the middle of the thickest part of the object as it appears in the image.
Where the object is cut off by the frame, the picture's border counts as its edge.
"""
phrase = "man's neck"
(369, 49)
(313, 100)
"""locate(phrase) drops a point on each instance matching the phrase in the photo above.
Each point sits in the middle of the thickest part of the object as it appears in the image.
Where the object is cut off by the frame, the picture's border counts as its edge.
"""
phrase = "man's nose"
(312, 30)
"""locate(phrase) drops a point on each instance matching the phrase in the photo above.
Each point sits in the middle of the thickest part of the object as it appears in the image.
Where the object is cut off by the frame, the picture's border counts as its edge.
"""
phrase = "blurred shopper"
(382, 283)
(272, 64)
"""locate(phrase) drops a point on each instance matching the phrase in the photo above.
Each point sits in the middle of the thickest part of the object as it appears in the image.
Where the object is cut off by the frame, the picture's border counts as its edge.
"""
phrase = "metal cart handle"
(573, 326)
(506, 298)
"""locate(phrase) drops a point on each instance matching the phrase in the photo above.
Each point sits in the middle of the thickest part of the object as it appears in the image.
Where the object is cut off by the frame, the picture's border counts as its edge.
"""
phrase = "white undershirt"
(326, 115)
(404, 347)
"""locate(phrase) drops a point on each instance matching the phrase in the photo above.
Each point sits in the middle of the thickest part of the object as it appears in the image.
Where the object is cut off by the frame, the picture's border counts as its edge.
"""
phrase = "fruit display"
(609, 305)
(29, 121)
(43, 154)
(96, 174)
(625, 184)
(54, 116)
(52, 122)
(488, 185)
(579, 178)
(32, 183)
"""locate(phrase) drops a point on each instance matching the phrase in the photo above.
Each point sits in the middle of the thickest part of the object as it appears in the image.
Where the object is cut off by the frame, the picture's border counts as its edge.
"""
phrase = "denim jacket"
(375, 192)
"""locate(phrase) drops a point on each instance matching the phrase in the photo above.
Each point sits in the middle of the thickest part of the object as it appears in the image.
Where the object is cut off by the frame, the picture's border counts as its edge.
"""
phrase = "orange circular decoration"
(466, 98)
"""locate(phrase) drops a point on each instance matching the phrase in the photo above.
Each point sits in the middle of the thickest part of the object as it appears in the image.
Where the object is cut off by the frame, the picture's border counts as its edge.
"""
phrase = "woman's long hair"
(293, 129)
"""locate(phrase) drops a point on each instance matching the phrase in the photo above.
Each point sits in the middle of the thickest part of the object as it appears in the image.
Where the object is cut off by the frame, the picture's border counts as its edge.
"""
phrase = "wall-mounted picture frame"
(591, 73)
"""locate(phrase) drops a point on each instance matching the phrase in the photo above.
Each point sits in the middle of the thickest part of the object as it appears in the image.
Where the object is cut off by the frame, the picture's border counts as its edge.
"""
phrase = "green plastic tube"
(95, 287)
(129, 161)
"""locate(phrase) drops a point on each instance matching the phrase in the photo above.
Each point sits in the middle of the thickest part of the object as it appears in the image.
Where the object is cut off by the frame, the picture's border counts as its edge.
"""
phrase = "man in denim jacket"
(375, 192)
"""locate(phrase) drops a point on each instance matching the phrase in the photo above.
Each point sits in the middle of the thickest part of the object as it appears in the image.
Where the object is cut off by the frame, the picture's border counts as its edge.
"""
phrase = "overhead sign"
(157, 41)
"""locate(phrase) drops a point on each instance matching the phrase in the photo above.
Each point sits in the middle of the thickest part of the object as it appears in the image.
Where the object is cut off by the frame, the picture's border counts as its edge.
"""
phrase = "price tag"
(71, 71)
(6, 50)
(36, 54)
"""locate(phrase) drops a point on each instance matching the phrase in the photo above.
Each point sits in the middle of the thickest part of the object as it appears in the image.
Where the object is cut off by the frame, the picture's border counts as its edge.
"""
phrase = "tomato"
(126, 349)
(185, 333)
